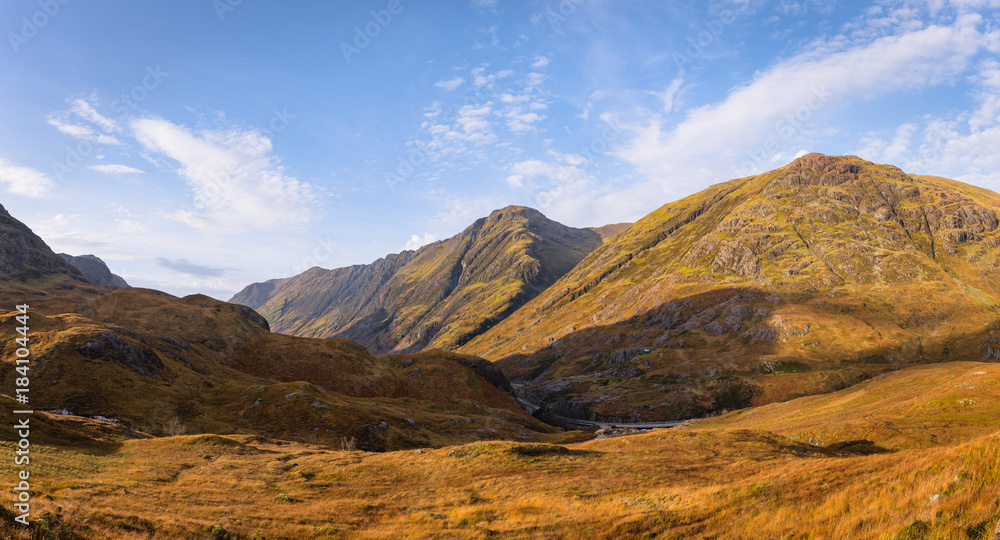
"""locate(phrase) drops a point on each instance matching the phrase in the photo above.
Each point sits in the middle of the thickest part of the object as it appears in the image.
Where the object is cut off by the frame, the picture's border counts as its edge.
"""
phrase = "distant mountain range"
(801, 280)
(441, 295)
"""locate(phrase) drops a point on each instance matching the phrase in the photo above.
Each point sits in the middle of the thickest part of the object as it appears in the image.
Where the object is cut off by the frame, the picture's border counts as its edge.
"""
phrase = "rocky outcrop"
(113, 347)
(252, 316)
(95, 270)
(24, 256)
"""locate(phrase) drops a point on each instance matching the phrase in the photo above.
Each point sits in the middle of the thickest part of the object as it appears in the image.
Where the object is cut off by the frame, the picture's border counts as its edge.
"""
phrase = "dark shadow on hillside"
(716, 351)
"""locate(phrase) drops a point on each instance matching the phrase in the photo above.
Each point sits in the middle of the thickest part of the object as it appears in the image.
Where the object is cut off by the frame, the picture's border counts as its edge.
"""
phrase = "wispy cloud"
(184, 266)
(961, 146)
(751, 125)
(116, 169)
(416, 241)
(237, 184)
(450, 85)
(95, 127)
(25, 180)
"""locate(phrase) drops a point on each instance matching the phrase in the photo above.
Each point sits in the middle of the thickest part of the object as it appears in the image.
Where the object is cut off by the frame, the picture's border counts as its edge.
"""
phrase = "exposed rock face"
(95, 270)
(113, 347)
(829, 263)
(442, 295)
(24, 256)
(252, 316)
(485, 369)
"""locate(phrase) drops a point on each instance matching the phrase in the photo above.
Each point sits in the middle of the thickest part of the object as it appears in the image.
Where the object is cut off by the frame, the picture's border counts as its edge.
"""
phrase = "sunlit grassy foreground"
(691, 482)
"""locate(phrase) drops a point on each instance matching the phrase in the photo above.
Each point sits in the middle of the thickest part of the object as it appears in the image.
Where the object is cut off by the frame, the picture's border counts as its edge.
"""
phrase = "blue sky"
(201, 145)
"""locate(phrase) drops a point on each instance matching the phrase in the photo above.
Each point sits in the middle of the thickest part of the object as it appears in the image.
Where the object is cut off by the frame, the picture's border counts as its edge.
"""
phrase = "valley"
(813, 350)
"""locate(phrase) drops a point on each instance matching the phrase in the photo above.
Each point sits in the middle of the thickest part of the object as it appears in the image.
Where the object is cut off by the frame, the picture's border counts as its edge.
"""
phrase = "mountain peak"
(24, 256)
(441, 295)
(514, 210)
(739, 274)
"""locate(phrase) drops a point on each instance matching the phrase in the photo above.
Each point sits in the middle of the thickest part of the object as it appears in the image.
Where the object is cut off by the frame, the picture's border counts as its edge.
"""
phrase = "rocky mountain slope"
(94, 270)
(801, 280)
(160, 365)
(441, 295)
(24, 256)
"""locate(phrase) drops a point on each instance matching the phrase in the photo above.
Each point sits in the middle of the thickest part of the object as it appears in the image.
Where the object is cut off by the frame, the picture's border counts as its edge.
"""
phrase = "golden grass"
(665, 484)
(738, 477)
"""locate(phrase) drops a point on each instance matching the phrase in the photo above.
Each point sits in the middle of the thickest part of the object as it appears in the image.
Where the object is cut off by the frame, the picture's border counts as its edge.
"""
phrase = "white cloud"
(415, 241)
(450, 85)
(481, 78)
(961, 146)
(237, 184)
(100, 127)
(79, 131)
(116, 169)
(519, 122)
(540, 62)
(24, 180)
(668, 94)
(130, 227)
(756, 122)
(85, 110)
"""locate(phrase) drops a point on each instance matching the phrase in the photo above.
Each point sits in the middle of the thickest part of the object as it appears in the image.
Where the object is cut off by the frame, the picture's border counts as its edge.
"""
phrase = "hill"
(154, 364)
(713, 479)
(441, 295)
(94, 270)
(801, 280)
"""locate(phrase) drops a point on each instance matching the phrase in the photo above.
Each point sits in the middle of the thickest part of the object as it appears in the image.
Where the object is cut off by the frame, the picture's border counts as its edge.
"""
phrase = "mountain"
(95, 270)
(150, 363)
(801, 280)
(441, 295)
(25, 257)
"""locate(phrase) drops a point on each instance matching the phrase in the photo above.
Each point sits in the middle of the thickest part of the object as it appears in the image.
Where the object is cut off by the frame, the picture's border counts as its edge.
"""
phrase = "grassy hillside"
(720, 479)
(802, 280)
(441, 295)
(164, 365)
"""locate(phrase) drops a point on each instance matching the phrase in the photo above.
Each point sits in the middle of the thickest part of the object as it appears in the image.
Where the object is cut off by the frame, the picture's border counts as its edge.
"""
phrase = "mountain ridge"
(25, 256)
(95, 270)
(415, 299)
(829, 265)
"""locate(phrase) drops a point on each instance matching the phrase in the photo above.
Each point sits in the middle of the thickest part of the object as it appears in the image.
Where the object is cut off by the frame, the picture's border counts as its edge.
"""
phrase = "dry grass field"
(885, 462)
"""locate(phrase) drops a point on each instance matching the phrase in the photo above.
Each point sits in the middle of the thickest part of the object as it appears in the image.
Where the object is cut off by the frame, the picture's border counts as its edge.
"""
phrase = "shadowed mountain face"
(95, 270)
(800, 280)
(24, 256)
(442, 295)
